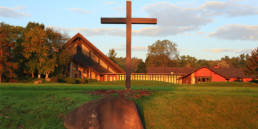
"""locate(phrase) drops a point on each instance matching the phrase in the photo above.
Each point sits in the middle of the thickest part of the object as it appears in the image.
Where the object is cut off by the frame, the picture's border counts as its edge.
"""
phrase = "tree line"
(38, 51)
(164, 53)
(31, 50)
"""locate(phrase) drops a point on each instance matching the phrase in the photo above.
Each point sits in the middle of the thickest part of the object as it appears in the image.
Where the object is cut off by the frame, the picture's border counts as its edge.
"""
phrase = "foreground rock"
(105, 113)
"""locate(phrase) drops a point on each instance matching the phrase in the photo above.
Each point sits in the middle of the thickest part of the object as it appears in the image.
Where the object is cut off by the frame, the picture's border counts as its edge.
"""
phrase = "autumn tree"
(112, 55)
(161, 53)
(6, 65)
(223, 64)
(251, 67)
(134, 64)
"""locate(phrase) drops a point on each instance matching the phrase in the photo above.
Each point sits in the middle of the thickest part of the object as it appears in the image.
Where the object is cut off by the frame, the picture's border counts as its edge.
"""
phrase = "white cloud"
(78, 10)
(237, 32)
(169, 14)
(174, 20)
(239, 51)
(12, 12)
(229, 9)
(98, 31)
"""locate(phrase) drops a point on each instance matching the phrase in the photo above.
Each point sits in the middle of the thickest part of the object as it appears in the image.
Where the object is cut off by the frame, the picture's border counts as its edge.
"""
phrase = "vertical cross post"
(128, 45)
(128, 21)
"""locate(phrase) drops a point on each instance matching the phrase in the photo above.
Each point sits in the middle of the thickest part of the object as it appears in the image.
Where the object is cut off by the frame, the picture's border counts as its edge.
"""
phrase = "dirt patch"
(125, 93)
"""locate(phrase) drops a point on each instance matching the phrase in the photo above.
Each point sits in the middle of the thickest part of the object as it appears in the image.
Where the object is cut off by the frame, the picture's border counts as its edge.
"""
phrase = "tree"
(135, 62)
(223, 64)
(161, 53)
(112, 55)
(6, 65)
(49, 65)
(188, 61)
(121, 62)
(251, 67)
(203, 63)
(141, 68)
(239, 61)
(57, 56)
(36, 48)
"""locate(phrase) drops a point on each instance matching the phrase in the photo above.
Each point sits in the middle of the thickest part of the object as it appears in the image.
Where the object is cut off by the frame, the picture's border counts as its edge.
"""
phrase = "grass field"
(209, 105)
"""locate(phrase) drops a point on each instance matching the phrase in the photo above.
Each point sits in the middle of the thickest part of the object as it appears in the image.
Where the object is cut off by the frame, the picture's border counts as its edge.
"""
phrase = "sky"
(203, 29)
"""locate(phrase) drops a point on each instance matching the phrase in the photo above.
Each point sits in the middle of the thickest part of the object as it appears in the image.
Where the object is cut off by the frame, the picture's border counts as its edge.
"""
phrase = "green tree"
(161, 53)
(202, 63)
(251, 67)
(36, 48)
(112, 55)
(239, 61)
(58, 55)
(188, 61)
(121, 62)
(50, 65)
(141, 68)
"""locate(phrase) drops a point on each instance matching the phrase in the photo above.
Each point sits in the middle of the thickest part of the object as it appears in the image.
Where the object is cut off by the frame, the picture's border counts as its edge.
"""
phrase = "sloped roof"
(230, 72)
(225, 72)
(84, 60)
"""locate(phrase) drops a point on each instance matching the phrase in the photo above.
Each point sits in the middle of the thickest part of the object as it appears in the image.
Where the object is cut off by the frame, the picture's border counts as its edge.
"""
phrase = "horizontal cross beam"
(133, 20)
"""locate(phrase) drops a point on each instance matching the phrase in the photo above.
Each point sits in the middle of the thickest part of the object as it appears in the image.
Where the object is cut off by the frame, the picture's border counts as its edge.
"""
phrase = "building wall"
(78, 71)
(247, 79)
(203, 73)
(238, 79)
(187, 80)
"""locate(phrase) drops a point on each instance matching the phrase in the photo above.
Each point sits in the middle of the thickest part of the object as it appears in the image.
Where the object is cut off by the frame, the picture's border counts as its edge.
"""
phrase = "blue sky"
(203, 29)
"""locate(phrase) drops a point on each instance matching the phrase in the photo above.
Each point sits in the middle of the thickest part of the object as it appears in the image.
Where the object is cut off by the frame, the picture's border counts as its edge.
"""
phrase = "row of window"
(165, 78)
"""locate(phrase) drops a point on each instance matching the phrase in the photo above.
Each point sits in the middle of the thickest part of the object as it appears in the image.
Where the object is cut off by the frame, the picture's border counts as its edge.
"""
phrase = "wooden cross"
(128, 21)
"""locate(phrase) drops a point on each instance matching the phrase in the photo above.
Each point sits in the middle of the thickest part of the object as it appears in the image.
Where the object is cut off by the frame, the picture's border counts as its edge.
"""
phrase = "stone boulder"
(105, 113)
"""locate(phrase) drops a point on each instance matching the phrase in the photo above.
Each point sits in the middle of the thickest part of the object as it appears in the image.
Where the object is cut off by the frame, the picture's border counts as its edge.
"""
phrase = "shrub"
(91, 80)
(54, 79)
(70, 80)
(81, 80)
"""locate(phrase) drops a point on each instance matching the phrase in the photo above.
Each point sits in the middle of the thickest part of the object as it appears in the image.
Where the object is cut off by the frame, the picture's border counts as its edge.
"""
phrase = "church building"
(87, 61)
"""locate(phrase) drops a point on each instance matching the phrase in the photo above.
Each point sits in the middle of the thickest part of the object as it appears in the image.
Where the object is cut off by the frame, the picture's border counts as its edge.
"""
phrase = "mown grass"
(209, 105)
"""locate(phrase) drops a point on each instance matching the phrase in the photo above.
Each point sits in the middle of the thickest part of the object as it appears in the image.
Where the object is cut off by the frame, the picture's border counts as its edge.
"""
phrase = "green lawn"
(209, 105)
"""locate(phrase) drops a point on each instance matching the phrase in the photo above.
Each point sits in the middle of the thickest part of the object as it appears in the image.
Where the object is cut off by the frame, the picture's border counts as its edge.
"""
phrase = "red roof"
(225, 72)
(230, 72)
